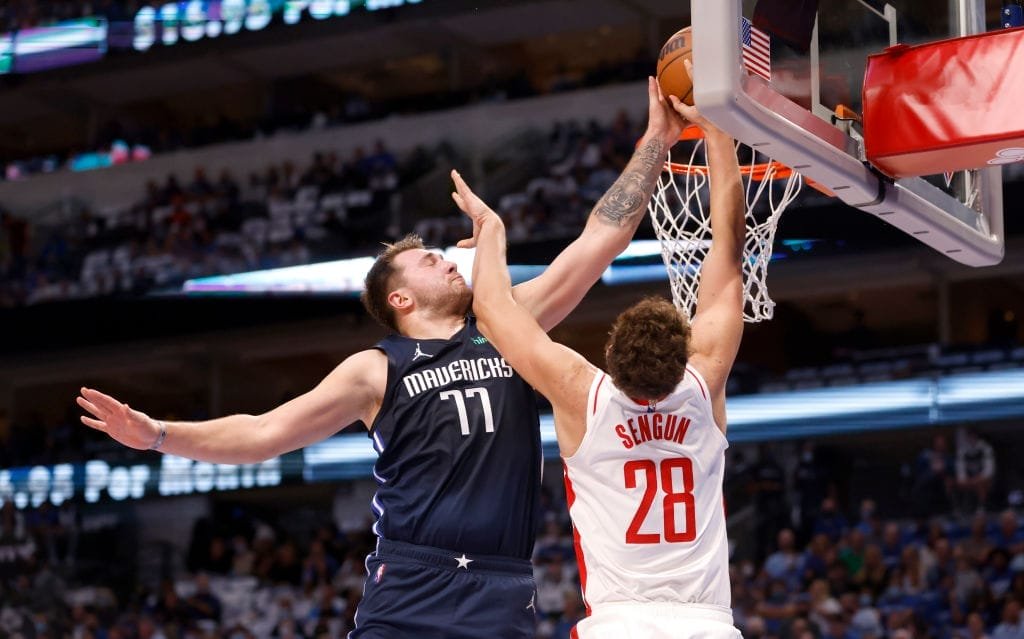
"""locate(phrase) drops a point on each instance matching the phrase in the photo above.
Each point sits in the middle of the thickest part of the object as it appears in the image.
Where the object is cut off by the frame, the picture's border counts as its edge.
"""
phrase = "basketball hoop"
(682, 224)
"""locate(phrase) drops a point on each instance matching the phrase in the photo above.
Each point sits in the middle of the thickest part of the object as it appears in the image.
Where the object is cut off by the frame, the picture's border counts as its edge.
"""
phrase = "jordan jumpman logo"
(419, 353)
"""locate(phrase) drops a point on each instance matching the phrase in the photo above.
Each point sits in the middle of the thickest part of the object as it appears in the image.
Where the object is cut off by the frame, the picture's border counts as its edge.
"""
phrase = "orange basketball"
(672, 74)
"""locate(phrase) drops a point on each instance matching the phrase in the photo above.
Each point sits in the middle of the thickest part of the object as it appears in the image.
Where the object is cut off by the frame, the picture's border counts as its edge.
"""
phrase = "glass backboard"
(800, 106)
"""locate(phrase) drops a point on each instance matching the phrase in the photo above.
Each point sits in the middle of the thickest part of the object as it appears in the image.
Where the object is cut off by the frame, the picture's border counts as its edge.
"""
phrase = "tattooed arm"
(552, 295)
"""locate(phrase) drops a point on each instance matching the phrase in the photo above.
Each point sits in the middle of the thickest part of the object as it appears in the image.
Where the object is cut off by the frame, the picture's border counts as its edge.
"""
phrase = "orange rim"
(765, 171)
(769, 170)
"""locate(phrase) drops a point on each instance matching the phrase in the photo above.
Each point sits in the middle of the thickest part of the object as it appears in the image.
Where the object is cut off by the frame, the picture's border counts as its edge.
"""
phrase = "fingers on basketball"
(674, 76)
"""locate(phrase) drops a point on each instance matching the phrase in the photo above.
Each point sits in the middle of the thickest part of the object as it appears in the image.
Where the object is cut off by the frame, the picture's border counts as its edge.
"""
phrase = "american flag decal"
(757, 50)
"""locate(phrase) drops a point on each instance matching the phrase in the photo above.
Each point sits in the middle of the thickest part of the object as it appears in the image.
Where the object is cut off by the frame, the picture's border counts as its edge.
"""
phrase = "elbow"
(607, 240)
(264, 443)
(618, 241)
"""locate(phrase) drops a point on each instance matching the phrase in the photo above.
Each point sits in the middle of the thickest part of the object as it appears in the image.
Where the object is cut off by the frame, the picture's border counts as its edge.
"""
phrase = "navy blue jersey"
(458, 440)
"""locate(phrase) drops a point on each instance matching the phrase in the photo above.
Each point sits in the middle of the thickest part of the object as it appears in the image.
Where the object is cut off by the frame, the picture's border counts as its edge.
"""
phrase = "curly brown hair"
(648, 348)
(379, 284)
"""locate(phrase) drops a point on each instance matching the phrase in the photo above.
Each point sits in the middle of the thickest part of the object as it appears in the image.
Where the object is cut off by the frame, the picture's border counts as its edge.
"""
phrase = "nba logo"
(379, 575)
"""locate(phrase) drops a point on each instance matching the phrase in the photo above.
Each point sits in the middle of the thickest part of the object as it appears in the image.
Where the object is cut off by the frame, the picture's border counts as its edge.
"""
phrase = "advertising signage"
(171, 23)
(59, 45)
(170, 476)
(164, 24)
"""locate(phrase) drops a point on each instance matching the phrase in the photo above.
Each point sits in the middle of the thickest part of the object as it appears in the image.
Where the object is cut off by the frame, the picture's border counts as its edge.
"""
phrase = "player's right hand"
(691, 113)
(127, 426)
(474, 208)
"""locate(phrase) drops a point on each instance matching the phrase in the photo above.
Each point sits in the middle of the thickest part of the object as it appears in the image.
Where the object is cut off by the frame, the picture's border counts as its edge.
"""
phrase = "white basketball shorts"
(658, 621)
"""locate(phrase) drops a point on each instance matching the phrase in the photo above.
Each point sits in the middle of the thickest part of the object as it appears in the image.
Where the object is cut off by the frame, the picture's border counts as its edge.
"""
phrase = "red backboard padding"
(946, 106)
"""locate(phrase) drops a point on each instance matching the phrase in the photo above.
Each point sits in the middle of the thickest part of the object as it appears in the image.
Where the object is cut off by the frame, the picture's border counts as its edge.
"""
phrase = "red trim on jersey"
(640, 402)
(596, 391)
(570, 497)
(699, 384)
(574, 634)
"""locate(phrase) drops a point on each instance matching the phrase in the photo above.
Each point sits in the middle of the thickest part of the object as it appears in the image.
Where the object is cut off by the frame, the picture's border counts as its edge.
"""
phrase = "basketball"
(672, 75)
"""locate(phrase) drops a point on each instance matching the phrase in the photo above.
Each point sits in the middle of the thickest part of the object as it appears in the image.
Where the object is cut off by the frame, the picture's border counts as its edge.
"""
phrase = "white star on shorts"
(464, 561)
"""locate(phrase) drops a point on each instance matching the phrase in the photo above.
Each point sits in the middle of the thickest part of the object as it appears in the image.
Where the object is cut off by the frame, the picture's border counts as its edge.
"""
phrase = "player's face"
(433, 282)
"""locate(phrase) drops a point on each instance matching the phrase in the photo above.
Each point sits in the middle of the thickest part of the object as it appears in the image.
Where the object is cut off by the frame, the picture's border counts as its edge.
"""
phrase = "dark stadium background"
(314, 141)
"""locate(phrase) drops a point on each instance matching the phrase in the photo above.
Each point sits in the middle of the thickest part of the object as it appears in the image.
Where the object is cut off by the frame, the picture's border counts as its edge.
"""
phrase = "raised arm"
(558, 372)
(555, 293)
(717, 325)
(351, 392)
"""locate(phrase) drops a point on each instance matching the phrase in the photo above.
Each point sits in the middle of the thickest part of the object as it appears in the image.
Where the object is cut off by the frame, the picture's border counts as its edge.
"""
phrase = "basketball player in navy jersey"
(643, 445)
(456, 429)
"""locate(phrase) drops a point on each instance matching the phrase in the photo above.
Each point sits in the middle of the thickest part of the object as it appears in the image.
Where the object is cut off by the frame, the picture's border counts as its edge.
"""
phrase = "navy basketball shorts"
(429, 593)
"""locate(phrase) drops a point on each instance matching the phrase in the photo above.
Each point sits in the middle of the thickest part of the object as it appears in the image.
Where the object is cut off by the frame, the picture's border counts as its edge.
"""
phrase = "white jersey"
(645, 496)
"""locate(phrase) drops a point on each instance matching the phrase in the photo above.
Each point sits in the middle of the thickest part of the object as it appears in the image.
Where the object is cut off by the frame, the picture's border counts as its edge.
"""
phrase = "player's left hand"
(663, 121)
(471, 204)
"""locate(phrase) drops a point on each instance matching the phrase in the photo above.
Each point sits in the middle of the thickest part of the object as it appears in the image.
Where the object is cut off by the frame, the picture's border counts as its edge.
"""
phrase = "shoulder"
(369, 357)
(368, 367)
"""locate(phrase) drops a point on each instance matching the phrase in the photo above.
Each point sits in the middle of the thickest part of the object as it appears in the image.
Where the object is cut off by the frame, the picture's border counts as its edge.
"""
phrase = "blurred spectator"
(785, 564)
(285, 567)
(873, 575)
(852, 552)
(933, 478)
(869, 524)
(318, 567)
(977, 545)
(1009, 534)
(997, 573)
(1010, 626)
(819, 556)
(768, 484)
(572, 612)
(810, 482)
(891, 544)
(202, 604)
(975, 470)
(975, 627)
(169, 608)
(554, 540)
(830, 521)
(554, 580)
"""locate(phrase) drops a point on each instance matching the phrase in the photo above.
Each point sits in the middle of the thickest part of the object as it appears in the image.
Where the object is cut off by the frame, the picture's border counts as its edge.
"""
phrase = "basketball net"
(682, 222)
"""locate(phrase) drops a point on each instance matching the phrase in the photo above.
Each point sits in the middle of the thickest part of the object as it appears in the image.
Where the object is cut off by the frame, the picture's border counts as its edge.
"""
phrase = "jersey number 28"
(674, 494)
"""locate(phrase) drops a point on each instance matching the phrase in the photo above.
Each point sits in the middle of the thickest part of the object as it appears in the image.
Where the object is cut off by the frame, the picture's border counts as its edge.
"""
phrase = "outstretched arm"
(558, 372)
(351, 392)
(552, 295)
(717, 325)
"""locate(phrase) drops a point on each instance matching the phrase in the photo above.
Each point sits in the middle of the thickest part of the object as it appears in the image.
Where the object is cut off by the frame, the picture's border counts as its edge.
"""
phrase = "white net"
(682, 222)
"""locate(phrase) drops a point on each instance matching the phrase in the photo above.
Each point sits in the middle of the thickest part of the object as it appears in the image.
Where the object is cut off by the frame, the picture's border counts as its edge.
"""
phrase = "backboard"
(781, 98)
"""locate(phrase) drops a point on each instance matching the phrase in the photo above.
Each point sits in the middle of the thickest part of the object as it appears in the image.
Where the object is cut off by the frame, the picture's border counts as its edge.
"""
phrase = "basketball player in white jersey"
(644, 444)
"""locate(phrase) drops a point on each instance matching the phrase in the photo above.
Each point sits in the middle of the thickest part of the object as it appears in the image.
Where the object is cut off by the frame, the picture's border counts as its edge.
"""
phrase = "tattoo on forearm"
(626, 201)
